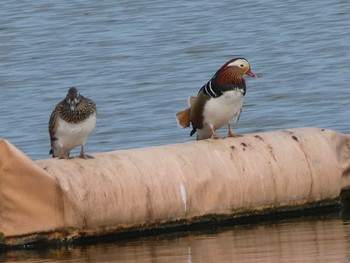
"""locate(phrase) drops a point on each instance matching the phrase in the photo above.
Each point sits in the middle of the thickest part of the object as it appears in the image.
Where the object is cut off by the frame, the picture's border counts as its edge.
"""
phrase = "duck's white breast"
(220, 111)
(71, 135)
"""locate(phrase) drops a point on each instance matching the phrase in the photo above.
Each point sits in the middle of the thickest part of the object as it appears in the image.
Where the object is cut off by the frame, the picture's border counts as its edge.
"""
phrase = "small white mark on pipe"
(189, 255)
(183, 195)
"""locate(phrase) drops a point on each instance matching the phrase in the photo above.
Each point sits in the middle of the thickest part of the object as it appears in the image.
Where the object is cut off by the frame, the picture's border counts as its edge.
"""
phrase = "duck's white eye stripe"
(239, 63)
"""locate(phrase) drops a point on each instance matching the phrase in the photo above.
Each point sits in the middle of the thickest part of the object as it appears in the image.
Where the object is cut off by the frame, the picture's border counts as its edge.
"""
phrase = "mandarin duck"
(70, 123)
(218, 101)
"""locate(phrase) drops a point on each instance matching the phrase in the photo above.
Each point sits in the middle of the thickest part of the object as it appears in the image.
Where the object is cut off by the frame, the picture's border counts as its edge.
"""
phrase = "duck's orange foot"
(234, 135)
(215, 137)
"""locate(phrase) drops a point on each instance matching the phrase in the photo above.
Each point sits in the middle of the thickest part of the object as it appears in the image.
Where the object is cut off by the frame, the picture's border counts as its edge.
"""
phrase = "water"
(141, 60)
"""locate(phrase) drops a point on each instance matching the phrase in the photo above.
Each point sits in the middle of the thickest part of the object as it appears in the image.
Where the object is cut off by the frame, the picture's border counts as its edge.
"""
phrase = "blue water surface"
(140, 61)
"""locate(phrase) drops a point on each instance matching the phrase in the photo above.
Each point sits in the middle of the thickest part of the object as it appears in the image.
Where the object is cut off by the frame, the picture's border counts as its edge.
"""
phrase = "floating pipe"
(58, 200)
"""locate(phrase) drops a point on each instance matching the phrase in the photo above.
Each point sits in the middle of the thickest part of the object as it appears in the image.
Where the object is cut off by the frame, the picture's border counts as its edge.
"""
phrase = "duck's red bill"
(251, 74)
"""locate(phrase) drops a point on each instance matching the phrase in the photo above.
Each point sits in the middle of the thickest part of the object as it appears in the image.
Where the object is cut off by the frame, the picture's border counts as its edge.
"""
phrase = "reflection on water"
(321, 239)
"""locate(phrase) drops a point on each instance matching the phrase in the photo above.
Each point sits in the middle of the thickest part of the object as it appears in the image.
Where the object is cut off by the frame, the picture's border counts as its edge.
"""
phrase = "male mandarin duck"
(70, 123)
(218, 101)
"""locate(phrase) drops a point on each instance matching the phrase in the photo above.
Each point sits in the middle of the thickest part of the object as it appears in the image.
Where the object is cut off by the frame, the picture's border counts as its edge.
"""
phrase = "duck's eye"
(242, 66)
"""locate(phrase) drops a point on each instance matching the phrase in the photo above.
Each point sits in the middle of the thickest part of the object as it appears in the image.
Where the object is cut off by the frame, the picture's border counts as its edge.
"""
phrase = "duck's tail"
(183, 118)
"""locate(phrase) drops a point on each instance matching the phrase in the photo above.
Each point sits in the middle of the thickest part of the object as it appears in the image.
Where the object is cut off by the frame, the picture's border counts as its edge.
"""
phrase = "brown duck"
(70, 123)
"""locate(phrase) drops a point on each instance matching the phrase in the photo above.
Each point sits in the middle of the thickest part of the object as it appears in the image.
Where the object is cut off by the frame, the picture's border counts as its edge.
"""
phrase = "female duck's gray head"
(73, 98)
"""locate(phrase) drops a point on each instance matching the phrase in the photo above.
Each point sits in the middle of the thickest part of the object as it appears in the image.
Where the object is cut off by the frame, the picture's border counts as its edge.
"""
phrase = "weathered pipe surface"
(62, 200)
